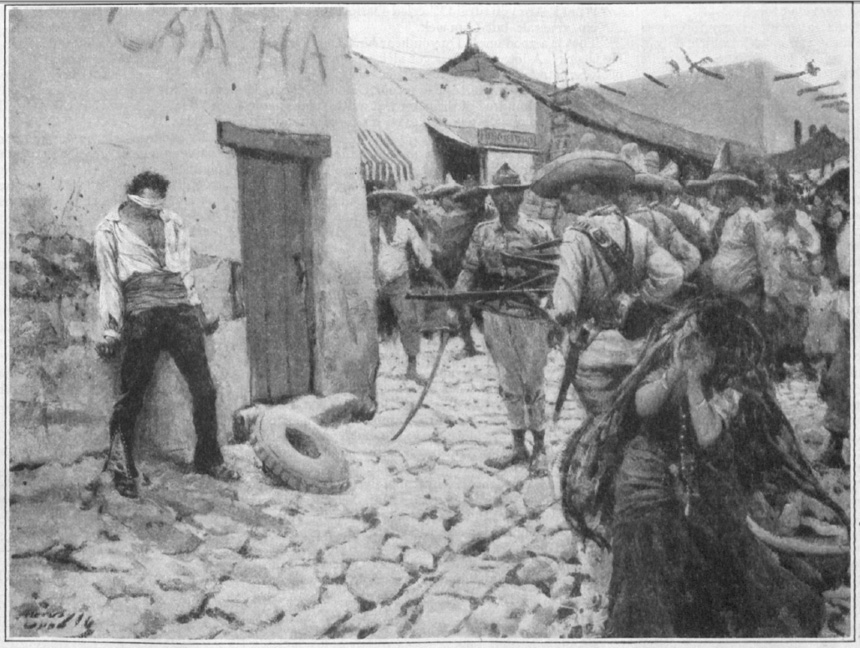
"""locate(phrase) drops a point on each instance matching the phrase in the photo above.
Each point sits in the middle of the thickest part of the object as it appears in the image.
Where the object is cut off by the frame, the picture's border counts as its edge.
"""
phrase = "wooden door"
(276, 255)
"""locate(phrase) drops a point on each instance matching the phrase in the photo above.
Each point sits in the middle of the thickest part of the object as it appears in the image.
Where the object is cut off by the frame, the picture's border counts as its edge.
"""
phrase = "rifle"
(527, 299)
(469, 296)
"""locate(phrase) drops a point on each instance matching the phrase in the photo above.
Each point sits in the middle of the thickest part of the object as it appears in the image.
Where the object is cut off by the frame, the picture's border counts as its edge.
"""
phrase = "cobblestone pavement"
(426, 543)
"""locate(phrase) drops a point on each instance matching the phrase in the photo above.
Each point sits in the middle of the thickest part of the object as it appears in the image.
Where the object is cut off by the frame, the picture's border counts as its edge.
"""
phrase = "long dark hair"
(728, 327)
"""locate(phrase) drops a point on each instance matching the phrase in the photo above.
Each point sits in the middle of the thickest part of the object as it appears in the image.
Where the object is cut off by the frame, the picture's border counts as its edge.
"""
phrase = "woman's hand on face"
(698, 360)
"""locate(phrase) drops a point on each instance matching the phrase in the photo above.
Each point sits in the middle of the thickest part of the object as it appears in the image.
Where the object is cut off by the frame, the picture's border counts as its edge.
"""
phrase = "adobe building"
(418, 126)
(250, 113)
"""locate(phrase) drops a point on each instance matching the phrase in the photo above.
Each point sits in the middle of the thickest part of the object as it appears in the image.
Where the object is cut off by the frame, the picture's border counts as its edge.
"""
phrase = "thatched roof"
(589, 107)
(747, 105)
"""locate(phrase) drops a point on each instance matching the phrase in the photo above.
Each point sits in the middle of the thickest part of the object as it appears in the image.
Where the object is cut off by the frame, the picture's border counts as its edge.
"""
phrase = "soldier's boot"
(412, 371)
(539, 465)
(469, 349)
(517, 455)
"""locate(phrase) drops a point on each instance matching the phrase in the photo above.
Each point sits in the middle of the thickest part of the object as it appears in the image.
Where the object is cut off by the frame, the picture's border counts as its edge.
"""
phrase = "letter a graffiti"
(175, 29)
(317, 54)
(208, 40)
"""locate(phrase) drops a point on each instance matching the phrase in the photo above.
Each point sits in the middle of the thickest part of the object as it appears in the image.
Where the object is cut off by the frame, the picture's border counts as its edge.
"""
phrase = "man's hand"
(107, 348)
(208, 326)
(437, 277)
(554, 336)
(452, 320)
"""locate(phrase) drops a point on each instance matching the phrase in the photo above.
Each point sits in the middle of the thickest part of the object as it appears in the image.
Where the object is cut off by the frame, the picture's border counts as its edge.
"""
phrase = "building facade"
(418, 126)
(250, 113)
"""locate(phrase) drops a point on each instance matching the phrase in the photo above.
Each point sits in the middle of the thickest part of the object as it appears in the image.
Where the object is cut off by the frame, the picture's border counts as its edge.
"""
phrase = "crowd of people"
(678, 307)
(746, 231)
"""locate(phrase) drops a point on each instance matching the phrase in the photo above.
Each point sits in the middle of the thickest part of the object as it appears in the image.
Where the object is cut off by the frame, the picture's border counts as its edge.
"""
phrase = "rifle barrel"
(479, 295)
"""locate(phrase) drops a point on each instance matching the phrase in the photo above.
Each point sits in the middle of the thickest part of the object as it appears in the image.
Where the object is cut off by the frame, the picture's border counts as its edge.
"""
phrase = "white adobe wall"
(98, 94)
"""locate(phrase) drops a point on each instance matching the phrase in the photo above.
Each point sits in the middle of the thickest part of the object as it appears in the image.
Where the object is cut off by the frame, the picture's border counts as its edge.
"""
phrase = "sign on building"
(499, 138)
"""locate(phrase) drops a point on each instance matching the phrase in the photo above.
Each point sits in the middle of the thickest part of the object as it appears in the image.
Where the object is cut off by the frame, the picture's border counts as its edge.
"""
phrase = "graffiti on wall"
(177, 32)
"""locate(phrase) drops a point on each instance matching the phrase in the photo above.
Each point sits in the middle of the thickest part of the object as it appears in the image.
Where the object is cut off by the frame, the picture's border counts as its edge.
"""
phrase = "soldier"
(517, 345)
(641, 199)
(734, 269)
(607, 263)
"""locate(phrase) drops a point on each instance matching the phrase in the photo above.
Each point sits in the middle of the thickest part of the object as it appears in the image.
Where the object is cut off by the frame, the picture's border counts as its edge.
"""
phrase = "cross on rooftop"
(468, 32)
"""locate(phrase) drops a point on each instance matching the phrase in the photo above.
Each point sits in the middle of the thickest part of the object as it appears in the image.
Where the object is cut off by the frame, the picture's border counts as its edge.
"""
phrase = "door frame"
(308, 150)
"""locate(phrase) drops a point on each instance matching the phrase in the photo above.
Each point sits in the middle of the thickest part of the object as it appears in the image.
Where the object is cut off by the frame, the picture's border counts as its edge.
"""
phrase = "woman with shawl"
(694, 432)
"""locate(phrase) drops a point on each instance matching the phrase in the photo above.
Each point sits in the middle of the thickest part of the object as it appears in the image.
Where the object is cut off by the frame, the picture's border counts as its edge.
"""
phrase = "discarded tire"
(297, 453)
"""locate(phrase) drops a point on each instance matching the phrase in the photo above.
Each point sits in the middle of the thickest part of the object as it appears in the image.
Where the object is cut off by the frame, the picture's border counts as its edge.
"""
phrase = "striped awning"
(381, 160)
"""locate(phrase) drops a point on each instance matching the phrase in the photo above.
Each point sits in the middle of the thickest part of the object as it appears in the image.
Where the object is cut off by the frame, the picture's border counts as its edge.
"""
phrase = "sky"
(536, 38)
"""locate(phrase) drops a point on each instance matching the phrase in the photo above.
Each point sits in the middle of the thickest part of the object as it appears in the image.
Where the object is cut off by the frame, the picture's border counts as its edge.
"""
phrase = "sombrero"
(505, 178)
(648, 176)
(449, 187)
(404, 199)
(469, 190)
(722, 173)
(585, 164)
(652, 162)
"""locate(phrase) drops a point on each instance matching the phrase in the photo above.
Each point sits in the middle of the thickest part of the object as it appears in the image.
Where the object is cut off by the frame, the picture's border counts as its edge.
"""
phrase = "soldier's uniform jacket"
(669, 237)
(586, 285)
(484, 261)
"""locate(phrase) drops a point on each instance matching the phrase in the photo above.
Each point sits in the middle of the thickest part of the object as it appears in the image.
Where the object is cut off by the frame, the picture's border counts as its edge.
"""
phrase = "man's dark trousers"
(177, 330)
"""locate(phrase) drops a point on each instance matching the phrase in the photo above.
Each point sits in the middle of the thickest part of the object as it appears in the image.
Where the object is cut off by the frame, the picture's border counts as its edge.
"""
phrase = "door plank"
(251, 237)
(277, 278)
(277, 262)
(297, 283)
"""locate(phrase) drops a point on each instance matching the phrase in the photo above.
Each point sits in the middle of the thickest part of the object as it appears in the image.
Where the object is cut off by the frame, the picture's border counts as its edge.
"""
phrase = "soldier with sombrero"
(606, 263)
(735, 268)
(642, 199)
(396, 233)
(517, 344)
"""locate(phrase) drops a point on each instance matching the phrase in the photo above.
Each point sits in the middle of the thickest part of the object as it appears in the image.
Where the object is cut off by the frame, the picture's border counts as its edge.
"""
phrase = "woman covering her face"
(690, 439)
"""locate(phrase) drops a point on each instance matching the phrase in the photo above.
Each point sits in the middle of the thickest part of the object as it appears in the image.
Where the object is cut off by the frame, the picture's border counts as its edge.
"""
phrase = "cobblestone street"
(426, 543)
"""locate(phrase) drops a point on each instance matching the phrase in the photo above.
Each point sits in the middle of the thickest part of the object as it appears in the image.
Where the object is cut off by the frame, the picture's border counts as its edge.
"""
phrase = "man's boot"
(517, 455)
(412, 371)
(538, 466)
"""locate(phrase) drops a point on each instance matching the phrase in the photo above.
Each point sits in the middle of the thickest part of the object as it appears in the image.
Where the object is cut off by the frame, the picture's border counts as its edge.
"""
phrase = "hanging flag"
(793, 75)
(803, 91)
(605, 87)
(655, 80)
(832, 96)
(836, 104)
(710, 73)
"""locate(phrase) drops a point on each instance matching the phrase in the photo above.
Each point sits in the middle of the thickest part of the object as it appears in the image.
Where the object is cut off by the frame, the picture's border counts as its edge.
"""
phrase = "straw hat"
(588, 142)
(593, 165)
(652, 162)
(449, 187)
(723, 172)
(648, 176)
(403, 199)
(506, 178)
(470, 189)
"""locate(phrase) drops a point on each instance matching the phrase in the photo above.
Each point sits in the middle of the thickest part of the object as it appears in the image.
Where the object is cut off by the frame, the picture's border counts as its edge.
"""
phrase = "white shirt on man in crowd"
(393, 262)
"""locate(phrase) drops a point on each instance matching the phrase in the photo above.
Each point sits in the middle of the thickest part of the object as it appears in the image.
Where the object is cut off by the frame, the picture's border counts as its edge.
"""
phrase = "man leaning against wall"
(148, 304)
